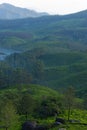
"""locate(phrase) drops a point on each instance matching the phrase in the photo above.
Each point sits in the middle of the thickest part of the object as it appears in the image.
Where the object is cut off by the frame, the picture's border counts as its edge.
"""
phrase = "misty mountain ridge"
(8, 11)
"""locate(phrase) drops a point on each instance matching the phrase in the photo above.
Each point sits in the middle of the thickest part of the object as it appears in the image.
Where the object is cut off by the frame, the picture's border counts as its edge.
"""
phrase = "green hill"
(52, 51)
(36, 91)
(48, 51)
(57, 71)
(53, 32)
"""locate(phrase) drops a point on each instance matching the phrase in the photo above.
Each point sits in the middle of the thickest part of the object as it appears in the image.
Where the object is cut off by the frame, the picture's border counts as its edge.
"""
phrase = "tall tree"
(38, 69)
(8, 115)
(69, 98)
(26, 105)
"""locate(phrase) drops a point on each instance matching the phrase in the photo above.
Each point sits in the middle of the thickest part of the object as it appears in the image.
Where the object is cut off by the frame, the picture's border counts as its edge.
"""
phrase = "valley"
(43, 71)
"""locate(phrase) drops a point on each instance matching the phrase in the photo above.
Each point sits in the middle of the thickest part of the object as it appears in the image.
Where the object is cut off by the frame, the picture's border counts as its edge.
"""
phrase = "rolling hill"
(51, 51)
(58, 33)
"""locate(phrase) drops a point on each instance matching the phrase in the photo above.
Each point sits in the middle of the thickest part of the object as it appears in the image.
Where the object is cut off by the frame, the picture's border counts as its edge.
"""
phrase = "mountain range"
(8, 11)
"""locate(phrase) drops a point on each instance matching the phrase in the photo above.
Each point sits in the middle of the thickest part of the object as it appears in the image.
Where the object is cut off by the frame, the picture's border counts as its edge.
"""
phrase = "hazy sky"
(51, 6)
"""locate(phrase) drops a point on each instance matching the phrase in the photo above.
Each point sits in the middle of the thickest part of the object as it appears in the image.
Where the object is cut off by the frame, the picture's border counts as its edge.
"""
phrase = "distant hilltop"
(8, 11)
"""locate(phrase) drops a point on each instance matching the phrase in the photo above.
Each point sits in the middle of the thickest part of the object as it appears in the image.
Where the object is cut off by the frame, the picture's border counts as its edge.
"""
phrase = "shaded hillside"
(57, 71)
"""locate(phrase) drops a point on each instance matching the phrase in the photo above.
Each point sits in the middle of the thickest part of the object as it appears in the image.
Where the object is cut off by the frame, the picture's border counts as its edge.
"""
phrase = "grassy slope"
(66, 69)
(36, 91)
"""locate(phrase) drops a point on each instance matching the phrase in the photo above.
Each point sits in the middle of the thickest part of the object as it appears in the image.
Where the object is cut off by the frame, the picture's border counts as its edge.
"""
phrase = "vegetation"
(42, 104)
(50, 56)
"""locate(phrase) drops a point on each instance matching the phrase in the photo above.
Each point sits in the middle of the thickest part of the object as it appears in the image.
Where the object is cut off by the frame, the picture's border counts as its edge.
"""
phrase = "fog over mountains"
(8, 11)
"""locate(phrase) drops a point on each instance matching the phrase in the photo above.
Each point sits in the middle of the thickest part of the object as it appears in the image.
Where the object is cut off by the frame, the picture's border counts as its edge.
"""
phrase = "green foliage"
(49, 107)
(54, 54)
(8, 115)
(26, 105)
(69, 97)
(53, 70)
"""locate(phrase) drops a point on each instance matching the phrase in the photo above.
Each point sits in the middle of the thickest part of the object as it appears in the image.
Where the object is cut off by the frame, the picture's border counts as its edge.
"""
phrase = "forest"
(43, 73)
